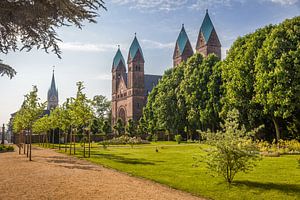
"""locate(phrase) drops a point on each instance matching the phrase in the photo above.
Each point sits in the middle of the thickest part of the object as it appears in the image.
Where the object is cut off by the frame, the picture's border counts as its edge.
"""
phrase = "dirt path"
(56, 176)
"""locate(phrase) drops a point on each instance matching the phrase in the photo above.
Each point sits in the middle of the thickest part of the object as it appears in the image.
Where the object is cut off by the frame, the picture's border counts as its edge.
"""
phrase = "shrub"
(122, 140)
(232, 151)
(154, 138)
(178, 138)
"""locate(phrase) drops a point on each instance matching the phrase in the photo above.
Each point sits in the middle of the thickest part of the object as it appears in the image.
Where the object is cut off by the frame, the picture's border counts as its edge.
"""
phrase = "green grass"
(272, 178)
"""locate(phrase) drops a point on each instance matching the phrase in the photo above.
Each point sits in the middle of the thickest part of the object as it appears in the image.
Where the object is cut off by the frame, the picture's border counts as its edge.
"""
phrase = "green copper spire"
(118, 58)
(134, 48)
(206, 27)
(182, 39)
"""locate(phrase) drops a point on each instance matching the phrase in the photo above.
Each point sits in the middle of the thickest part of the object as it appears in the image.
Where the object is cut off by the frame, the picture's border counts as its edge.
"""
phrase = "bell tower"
(136, 87)
(52, 94)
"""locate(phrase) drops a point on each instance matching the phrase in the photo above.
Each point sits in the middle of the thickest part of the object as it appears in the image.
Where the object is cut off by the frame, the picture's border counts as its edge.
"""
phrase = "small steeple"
(206, 27)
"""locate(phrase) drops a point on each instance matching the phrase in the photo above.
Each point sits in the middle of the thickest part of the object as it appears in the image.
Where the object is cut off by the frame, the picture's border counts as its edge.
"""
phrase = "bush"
(232, 149)
(282, 147)
(178, 138)
(154, 138)
(4, 148)
(123, 140)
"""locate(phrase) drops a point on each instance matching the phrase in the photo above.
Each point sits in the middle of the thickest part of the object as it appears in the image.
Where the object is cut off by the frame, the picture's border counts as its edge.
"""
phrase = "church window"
(138, 105)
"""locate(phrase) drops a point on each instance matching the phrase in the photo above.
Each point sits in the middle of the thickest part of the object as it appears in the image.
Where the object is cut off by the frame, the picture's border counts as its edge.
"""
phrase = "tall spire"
(183, 49)
(118, 59)
(52, 94)
(134, 49)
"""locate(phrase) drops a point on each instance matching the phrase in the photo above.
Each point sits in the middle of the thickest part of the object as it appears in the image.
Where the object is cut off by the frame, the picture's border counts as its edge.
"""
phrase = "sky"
(88, 53)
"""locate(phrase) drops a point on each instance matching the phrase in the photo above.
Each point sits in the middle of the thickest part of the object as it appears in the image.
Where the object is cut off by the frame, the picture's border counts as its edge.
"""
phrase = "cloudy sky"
(88, 53)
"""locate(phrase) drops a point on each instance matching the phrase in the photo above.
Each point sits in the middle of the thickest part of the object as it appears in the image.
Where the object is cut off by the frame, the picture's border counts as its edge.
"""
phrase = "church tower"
(118, 75)
(52, 95)
(183, 49)
(208, 41)
(135, 82)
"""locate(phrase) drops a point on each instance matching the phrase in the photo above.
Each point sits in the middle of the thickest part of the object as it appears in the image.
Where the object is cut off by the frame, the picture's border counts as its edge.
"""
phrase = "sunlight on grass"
(272, 178)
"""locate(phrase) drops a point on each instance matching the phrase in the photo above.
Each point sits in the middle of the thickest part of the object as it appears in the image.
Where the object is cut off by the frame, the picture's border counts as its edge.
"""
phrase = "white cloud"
(86, 47)
(150, 44)
(285, 2)
(169, 5)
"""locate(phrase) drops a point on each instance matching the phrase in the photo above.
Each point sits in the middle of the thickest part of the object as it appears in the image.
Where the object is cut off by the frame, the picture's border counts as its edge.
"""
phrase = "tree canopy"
(26, 24)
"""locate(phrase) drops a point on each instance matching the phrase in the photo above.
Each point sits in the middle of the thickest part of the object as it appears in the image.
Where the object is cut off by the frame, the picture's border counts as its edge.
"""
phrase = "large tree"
(277, 70)
(26, 24)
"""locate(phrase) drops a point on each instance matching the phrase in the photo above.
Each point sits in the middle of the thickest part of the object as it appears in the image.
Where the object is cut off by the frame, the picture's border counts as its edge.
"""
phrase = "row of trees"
(78, 115)
(259, 77)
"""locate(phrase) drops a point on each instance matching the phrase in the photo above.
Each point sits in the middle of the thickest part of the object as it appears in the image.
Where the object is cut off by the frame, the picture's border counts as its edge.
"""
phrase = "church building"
(131, 88)
(52, 97)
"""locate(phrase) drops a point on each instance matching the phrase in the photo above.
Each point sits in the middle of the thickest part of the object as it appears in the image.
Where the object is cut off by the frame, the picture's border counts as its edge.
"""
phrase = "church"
(131, 88)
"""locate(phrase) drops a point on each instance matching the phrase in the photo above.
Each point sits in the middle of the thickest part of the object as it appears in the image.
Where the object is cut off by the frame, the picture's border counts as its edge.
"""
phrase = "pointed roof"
(134, 48)
(182, 40)
(52, 90)
(206, 27)
(117, 59)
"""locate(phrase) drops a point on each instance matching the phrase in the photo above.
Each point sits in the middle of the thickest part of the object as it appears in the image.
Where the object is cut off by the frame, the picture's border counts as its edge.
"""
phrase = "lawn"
(272, 178)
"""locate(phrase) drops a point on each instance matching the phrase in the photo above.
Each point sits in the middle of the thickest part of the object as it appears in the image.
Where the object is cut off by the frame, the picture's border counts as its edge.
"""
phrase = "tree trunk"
(24, 142)
(71, 141)
(30, 141)
(65, 141)
(59, 139)
(84, 148)
(74, 141)
(276, 129)
(27, 143)
(53, 138)
(89, 144)
(20, 143)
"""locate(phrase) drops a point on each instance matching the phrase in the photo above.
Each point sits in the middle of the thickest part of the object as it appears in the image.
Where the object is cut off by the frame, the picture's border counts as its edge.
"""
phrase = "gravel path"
(52, 175)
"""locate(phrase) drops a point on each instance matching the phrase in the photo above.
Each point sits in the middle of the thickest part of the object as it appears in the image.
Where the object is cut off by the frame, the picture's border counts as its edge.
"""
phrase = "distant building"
(130, 89)
(52, 97)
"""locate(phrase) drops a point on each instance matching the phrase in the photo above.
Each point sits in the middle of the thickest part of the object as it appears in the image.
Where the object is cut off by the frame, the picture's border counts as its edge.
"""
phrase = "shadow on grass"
(293, 188)
(125, 160)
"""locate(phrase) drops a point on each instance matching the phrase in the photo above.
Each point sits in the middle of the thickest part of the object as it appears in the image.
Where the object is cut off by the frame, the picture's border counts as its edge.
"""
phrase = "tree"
(7, 70)
(106, 128)
(81, 112)
(119, 127)
(277, 78)
(238, 74)
(30, 112)
(130, 128)
(33, 23)
(232, 149)
(101, 106)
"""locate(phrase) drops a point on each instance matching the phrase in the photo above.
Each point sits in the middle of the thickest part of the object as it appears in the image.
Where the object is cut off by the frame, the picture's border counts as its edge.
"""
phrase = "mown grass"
(272, 178)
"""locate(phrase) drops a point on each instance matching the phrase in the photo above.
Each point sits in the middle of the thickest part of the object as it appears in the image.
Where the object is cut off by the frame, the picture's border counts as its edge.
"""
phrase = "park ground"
(52, 175)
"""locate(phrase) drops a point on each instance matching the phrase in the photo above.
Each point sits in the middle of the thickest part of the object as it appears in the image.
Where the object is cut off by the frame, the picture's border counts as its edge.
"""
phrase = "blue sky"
(88, 53)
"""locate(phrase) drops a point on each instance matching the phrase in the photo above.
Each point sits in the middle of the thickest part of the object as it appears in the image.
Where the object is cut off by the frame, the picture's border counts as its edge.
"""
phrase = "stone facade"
(130, 89)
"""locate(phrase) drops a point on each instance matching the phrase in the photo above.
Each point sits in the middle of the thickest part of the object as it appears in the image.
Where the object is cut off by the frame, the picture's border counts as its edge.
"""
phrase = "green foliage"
(7, 70)
(232, 149)
(119, 127)
(106, 128)
(178, 138)
(282, 147)
(130, 128)
(186, 98)
(154, 137)
(4, 148)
